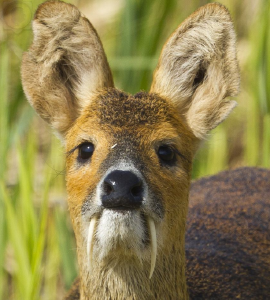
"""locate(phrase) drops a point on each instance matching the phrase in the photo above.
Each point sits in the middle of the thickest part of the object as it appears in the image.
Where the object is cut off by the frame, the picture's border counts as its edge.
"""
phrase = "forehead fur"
(132, 122)
(120, 109)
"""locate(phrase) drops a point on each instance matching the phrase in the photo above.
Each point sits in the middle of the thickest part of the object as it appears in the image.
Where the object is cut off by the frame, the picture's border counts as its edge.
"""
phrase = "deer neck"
(127, 278)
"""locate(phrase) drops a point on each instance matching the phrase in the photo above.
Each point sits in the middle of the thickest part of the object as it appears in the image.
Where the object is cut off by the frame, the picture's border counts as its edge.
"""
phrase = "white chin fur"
(117, 230)
(119, 233)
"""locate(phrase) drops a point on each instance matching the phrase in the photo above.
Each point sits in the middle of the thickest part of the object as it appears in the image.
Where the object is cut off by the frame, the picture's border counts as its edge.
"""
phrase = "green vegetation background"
(37, 247)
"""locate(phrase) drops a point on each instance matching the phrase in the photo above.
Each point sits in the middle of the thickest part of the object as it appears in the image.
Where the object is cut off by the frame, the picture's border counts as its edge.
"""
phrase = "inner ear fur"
(198, 68)
(65, 65)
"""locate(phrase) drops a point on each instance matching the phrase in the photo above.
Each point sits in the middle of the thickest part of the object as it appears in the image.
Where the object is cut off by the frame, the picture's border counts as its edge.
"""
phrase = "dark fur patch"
(228, 236)
(120, 109)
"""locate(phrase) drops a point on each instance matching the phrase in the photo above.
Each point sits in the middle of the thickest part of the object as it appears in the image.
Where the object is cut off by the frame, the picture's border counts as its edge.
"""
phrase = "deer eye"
(86, 150)
(166, 154)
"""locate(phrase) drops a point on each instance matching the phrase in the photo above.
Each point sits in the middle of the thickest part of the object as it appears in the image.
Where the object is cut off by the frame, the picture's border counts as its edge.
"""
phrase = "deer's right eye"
(86, 150)
(166, 154)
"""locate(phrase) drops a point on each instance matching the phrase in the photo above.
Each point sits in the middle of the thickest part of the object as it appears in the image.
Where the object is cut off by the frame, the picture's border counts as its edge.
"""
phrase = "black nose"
(122, 190)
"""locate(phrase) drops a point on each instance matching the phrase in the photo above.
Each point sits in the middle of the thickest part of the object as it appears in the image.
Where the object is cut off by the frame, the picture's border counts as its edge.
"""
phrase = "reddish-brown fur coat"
(228, 236)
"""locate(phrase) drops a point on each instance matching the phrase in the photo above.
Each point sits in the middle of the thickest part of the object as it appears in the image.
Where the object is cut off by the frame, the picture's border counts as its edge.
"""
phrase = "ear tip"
(216, 6)
(50, 9)
(215, 9)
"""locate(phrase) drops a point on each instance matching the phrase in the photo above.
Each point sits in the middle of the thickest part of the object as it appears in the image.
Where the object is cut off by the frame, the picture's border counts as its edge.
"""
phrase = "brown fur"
(228, 236)
(67, 80)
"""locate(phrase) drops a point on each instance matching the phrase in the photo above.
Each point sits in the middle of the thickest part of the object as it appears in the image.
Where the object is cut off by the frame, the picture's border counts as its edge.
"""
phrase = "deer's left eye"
(166, 154)
(86, 150)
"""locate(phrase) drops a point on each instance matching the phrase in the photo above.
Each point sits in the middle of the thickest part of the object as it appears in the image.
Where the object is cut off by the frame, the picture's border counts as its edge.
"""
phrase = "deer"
(143, 228)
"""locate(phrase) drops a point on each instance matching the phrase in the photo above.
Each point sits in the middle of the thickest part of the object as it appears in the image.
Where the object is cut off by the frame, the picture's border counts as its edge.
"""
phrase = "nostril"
(107, 188)
(137, 191)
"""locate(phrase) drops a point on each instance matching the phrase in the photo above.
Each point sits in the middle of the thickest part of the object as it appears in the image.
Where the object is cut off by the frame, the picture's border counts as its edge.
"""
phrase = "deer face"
(129, 157)
(128, 161)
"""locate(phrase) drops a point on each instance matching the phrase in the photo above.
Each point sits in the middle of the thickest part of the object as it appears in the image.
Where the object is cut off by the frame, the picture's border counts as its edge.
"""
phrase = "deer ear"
(198, 68)
(65, 66)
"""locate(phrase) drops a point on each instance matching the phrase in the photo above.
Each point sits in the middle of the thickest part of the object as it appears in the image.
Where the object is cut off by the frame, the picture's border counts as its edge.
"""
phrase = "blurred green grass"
(37, 247)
